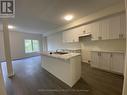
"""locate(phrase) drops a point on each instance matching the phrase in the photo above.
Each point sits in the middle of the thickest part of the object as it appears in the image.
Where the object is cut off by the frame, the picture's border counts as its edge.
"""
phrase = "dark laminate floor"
(101, 82)
(31, 79)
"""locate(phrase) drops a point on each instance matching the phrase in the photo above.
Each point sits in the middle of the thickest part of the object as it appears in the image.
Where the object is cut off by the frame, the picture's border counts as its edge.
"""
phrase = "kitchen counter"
(66, 67)
(60, 56)
(110, 51)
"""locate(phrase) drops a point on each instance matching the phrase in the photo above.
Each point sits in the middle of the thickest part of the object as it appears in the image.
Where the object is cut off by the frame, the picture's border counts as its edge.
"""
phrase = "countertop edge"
(64, 58)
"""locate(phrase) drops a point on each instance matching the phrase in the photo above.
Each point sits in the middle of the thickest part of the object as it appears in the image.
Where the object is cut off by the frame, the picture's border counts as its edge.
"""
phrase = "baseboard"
(14, 59)
(25, 57)
(121, 74)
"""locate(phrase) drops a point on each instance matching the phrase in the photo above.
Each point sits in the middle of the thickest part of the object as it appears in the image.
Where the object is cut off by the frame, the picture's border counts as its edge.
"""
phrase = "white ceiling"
(40, 16)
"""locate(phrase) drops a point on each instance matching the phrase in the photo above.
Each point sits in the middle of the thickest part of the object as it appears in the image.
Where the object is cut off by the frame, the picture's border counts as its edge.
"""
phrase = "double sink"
(61, 53)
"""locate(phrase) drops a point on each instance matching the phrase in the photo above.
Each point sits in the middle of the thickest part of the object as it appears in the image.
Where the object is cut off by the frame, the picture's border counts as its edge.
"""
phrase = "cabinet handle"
(111, 55)
(99, 54)
(120, 36)
(100, 38)
(84, 31)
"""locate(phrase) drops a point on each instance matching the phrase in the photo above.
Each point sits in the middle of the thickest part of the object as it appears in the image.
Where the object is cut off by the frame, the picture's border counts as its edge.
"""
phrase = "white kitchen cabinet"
(105, 60)
(80, 31)
(95, 29)
(123, 26)
(101, 60)
(104, 29)
(109, 61)
(95, 59)
(117, 63)
(77, 32)
(87, 29)
(117, 27)
(73, 35)
(109, 28)
(67, 36)
(114, 27)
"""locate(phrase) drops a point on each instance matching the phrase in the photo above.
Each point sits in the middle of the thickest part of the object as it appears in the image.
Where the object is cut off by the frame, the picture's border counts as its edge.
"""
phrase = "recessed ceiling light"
(10, 27)
(68, 17)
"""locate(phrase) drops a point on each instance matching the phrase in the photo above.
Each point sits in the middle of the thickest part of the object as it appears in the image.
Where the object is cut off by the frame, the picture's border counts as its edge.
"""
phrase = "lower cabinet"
(105, 61)
(95, 59)
(109, 61)
(117, 62)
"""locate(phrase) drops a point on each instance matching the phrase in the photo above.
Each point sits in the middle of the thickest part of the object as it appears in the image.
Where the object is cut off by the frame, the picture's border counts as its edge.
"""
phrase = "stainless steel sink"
(60, 53)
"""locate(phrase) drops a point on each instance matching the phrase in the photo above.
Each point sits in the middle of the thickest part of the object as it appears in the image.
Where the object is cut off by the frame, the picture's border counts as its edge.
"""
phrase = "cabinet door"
(67, 36)
(70, 36)
(75, 35)
(95, 31)
(95, 59)
(114, 27)
(105, 60)
(104, 29)
(122, 26)
(77, 32)
(87, 29)
(64, 36)
(117, 64)
(80, 31)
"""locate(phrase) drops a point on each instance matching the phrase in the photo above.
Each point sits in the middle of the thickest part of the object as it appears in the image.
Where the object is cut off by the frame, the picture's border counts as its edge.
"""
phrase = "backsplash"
(55, 42)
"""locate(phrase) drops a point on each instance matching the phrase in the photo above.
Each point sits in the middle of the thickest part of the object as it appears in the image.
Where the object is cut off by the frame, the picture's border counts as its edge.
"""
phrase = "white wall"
(125, 73)
(1, 47)
(45, 47)
(55, 42)
(112, 45)
(17, 44)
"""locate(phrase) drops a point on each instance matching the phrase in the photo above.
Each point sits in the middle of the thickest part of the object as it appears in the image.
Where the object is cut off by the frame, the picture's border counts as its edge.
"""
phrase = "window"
(28, 46)
(35, 45)
(31, 46)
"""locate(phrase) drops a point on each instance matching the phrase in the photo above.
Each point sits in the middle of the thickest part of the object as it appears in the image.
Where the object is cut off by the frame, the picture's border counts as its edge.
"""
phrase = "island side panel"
(59, 68)
(68, 71)
(75, 68)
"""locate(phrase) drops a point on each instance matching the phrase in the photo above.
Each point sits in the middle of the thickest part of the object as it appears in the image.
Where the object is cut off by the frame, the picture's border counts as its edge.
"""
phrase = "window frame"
(32, 46)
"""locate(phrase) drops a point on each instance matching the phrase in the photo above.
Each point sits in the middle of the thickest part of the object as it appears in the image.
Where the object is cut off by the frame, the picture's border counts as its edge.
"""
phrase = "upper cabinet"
(109, 28)
(123, 25)
(104, 29)
(96, 35)
(113, 27)
(86, 30)
(67, 36)
(72, 35)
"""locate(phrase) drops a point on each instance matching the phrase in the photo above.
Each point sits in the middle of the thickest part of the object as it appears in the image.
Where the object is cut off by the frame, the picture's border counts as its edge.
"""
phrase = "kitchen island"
(66, 67)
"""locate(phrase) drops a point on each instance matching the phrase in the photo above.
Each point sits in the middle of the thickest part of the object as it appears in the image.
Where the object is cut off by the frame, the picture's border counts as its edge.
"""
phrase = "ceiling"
(41, 16)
